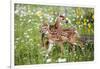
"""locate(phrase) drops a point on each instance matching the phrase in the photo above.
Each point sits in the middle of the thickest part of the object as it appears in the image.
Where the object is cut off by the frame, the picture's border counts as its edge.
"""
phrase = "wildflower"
(29, 11)
(66, 50)
(16, 42)
(80, 26)
(29, 20)
(39, 13)
(16, 12)
(29, 29)
(87, 20)
(48, 60)
(17, 38)
(73, 19)
(78, 22)
(89, 25)
(30, 39)
(25, 33)
(88, 30)
(27, 36)
(66, 18)
(61, 60)
(84, 19)
(92, 17)
(84, 23)
(77, 16)
(75, 54)
(21, 15)
(81, 16)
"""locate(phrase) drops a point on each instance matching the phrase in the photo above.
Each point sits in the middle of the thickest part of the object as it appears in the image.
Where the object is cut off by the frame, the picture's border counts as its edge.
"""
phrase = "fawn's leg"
(61, 48)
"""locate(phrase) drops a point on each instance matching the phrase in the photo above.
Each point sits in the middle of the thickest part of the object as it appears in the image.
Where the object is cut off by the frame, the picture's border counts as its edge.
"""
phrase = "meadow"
(27, 35)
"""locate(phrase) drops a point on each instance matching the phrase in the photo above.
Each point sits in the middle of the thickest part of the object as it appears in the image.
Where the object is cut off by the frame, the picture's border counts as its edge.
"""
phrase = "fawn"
(55, 34)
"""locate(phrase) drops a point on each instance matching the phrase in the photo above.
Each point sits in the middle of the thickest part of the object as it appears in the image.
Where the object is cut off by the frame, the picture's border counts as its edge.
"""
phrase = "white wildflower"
(87, 20)
(73, 19)
(48, 60)
(61, 60)
(77, 16)
(30, 39)
(27, 36)
(16, 42)
(29, 29)
(25, 33)
(66, 50)
(32, 13)
(81, 16)
(29, 20)
(17, 38)
(16, 11)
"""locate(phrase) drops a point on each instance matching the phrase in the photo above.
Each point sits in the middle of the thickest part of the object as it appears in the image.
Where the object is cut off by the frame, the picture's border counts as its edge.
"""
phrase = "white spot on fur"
(76, 31)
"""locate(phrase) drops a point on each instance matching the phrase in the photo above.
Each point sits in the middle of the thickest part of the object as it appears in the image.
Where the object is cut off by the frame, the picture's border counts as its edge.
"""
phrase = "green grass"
(33, 55)
(27, 42)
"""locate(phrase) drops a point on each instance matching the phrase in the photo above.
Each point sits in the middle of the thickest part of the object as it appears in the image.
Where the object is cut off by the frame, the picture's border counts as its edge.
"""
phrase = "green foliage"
(28, 19)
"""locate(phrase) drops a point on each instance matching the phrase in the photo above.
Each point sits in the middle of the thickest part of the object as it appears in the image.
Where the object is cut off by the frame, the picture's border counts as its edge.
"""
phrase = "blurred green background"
(27, 42)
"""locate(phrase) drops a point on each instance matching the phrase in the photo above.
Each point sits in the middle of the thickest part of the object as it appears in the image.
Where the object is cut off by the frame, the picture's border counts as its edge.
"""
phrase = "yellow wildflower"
(84, 20)
(78, 22)
(92, 17)
(89, 30)
(84, 23)
(66, 18)
(89, 25)
(39, 13)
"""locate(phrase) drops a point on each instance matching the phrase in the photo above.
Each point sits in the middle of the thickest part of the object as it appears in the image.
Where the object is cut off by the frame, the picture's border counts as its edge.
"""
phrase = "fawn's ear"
(62, 17)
